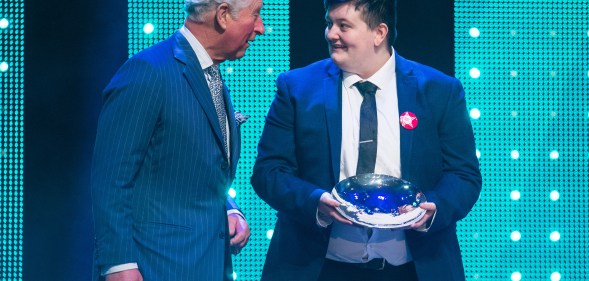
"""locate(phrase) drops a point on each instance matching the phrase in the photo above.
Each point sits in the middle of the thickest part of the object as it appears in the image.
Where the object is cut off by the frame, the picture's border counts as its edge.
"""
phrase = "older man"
(166, 151)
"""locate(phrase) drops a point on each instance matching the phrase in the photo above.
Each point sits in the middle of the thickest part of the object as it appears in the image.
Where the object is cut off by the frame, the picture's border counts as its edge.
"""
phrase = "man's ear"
(380, 32)
(222, 15)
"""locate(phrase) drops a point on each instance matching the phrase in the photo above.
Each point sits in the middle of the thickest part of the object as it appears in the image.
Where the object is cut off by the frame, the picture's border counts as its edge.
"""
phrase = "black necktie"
(368, 129)
(216, 86)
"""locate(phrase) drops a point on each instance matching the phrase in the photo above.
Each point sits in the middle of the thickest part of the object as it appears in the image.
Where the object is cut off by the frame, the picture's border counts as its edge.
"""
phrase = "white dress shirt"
(354, 244)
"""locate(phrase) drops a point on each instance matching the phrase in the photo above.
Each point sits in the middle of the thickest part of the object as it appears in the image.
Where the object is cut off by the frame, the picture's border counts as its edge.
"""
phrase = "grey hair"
(196, 9)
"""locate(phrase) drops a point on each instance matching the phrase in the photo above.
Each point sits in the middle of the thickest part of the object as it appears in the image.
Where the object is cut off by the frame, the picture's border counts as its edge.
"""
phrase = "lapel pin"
(408, 120)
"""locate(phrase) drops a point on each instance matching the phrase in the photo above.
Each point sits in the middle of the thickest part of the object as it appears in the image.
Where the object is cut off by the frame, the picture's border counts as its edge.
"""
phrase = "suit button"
(222, 235)
(224, 165)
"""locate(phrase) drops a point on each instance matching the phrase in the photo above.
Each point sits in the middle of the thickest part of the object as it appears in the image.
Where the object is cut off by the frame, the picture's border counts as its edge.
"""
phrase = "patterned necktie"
(216, 86)
(368, 129)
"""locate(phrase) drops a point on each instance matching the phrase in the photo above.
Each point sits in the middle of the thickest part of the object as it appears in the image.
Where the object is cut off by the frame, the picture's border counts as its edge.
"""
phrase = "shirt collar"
(380, 78)
(202, 55)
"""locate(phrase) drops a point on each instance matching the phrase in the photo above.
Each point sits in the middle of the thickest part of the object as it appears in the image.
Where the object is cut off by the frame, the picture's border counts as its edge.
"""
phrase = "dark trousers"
(341, 271)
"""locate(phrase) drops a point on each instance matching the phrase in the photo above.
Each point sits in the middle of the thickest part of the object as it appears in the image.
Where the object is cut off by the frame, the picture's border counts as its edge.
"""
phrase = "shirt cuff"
(119, 268)
(322, 220)
(235, 211)
(425, 227)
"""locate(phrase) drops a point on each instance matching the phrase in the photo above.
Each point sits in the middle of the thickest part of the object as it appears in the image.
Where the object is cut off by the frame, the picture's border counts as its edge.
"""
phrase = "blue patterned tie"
(216, 86)
(368, 129)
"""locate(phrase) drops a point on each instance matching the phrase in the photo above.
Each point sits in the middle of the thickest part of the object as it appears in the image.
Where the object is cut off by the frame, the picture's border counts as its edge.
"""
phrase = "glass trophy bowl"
(379, 201)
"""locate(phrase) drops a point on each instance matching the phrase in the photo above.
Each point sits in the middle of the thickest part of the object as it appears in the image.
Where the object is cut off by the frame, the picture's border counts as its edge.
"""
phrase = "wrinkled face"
(351, 42)
(243, 29)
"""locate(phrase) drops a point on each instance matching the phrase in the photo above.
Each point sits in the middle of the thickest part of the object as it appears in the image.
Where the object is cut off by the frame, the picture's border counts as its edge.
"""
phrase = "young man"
(311, 141)
(166, 151)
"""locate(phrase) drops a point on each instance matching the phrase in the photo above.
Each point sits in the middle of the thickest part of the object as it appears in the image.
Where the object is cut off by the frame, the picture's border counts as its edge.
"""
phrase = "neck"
(207, 36)
(381, 56)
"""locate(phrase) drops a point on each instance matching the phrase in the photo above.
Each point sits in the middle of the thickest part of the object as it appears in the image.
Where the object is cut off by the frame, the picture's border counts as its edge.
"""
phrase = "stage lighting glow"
(514, 154)
(229, 70)
(148, 28)
(474, 32)
(269, 233)
(555, 276)
(554, 195)
(516, 276)
(554, 154)
(475, 113)
(515, 195)
(3, 23)
(234, 275)
(475, 73)
(516, 236)
(513, 73)
(554, 236)
(3, 67)
(478, 153)
(232, 192)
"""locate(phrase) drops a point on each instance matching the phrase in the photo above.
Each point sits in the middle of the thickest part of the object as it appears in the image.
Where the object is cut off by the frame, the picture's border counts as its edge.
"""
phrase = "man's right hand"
(125, 275)
(327, 209)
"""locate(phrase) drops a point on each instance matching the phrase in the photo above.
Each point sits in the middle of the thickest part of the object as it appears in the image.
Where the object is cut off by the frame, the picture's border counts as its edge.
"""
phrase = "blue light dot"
(4, 23)
(234, 275)
(475, 73)
(554, 236)
(148, 28)
(475, 113)
(3, 66)
(478, 153)
(554, 195)
(516, 276)
(515, 195)
(555, 276)
(514, 154)
(554, 154)
(516, 236)
(269, 233)
(474, 32)
(232, 192)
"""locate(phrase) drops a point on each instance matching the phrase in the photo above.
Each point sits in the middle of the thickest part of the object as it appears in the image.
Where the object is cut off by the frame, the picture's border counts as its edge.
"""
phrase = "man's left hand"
(239, 232)
(425, 221)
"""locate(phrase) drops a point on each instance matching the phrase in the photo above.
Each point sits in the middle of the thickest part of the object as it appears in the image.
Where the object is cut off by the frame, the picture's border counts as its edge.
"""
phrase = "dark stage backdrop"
(72, 49)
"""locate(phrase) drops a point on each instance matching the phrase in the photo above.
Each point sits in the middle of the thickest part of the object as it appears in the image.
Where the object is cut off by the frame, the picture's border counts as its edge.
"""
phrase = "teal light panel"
(11, 138)
(525, 68)
(251, 82)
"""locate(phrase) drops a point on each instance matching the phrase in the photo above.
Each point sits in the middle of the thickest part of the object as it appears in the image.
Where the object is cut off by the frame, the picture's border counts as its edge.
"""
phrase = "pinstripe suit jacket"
(160, 174)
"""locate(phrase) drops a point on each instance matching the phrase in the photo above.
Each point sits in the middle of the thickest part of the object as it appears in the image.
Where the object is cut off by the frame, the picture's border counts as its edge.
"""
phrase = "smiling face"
(353, 45)
(242, 29)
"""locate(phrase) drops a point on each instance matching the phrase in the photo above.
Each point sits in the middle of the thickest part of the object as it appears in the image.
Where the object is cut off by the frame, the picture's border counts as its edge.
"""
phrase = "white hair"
(196, 9)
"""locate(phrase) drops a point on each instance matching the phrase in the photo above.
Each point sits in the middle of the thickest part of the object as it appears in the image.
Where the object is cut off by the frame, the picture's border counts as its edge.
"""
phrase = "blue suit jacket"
(160, 174)
(299, 159)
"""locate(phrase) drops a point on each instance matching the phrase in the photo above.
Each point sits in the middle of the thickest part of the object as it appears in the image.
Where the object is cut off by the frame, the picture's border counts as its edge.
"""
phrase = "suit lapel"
(195, 77)
(406, 96)
(333, 112)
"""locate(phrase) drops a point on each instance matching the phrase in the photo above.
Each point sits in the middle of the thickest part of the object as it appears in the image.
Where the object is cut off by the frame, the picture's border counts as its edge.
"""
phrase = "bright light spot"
(553, 113)
(554, 195)
(587, 73)
(554, 236)
(552, 33)
(552, 73)
(475, 113)
(513, 73)
(514, 113)
(516, 276)
(148, 28)
(555, 276)
(269, 233)
(269, 29)
(516, 236)
(234, 275)
(229, 70)
(3, 66)
(3, 23)
(474, 32)
(232, 192)
(515, 195)
(270, 70)
(478, 154)
(554, 154)
(514, 154)
(475, 73)
(513, 32)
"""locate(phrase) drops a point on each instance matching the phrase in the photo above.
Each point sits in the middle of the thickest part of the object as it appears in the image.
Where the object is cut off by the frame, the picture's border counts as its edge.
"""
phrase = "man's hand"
(424, 222)
(239, 232)
(125, 275)
(327, 209)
